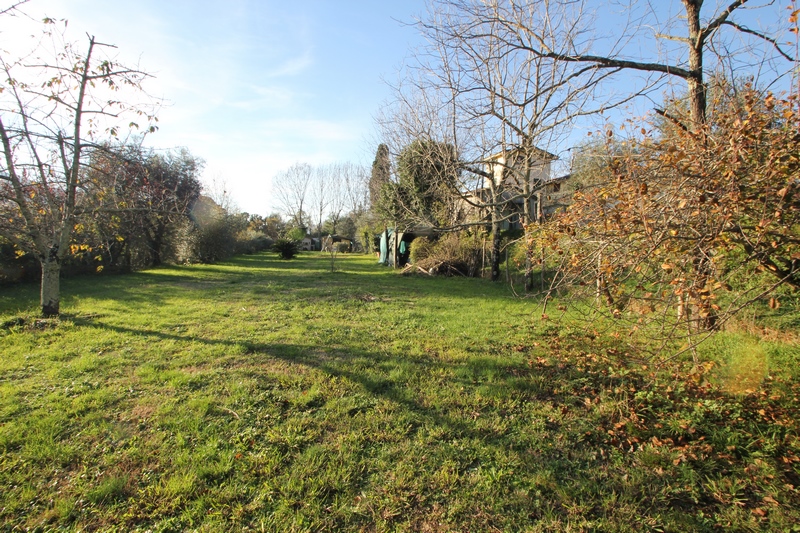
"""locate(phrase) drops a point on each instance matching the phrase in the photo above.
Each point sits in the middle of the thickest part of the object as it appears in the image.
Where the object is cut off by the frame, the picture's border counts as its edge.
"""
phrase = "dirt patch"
(143, 411)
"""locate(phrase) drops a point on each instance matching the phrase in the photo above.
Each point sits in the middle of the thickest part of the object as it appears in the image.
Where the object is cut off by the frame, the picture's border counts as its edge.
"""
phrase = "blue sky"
(253, 86)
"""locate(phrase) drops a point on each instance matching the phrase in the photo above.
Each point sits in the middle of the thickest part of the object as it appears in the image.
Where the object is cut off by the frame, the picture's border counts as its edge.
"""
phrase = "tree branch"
(760, 35)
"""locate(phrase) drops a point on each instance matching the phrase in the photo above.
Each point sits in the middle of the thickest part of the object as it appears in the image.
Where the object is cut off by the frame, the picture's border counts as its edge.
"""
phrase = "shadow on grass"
(265, 273)
(372, 370)
(354, 274)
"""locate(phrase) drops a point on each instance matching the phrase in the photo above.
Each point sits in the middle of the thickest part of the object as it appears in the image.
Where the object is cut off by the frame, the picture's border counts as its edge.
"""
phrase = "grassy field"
(265, 395)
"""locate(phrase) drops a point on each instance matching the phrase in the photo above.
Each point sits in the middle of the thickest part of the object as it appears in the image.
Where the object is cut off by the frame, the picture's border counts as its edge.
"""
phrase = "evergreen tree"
(381, 170)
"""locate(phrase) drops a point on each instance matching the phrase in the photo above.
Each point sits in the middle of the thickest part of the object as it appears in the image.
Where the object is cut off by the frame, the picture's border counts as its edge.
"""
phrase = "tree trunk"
(695, 84)
(527, 219)
(157, 242)
(495, 254)
(528, 245)
(51, 286)
(708, 319)
(528, 260)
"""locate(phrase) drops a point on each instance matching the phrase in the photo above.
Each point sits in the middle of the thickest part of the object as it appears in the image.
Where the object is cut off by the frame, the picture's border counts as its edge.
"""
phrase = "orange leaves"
(793, 16)
(676, 216)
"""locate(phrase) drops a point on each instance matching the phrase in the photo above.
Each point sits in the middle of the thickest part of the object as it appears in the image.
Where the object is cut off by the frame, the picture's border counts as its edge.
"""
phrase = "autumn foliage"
(681, 228)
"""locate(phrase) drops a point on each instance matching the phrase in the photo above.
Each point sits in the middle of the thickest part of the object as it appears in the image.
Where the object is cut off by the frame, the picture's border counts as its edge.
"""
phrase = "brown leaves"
(685, 215)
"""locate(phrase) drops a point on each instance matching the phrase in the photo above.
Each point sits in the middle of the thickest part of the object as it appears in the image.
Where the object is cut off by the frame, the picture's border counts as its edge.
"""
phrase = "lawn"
(269, 395)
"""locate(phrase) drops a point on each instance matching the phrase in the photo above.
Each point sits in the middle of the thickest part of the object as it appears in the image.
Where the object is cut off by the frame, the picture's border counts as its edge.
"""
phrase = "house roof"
(338, 238)
(544, 154)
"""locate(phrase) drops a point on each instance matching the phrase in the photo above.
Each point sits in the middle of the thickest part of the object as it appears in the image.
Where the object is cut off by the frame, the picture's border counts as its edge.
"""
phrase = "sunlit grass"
(275, 395)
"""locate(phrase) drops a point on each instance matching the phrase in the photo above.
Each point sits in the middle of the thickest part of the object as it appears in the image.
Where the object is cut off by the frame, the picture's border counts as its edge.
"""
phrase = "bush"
(453, 254)
(420, 249)
(14, 267)
(251, 242)
(296, 234)
(366, 236)
(214, 242)
(286, 248)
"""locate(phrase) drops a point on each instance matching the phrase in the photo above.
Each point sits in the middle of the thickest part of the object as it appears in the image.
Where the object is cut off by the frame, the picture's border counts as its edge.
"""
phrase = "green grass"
(270, 395)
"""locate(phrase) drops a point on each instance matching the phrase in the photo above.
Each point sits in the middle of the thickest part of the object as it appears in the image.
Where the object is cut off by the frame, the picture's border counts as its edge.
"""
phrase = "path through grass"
(268, 395)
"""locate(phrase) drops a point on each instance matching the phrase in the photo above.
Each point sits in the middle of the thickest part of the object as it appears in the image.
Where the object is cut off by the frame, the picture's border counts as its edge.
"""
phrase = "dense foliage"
(423, 194)
(682, 229)
(380, 174)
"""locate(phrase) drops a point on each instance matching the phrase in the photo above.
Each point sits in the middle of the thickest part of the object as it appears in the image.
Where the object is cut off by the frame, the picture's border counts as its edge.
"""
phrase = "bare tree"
(217, 188)
(292, 189)
(651, 241)
(345, 188)
(693, 33)
(51, 110)
(357, 194)
(500, 106)
(312, 195)
(13, 8)
(321, 192)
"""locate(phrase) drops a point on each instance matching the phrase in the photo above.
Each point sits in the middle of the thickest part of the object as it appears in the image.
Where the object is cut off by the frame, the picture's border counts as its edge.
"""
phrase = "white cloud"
(293, 66)
(245, 84)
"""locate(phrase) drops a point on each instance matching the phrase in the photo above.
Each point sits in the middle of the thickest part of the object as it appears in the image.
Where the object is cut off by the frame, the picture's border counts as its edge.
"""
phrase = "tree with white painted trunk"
(56, 105)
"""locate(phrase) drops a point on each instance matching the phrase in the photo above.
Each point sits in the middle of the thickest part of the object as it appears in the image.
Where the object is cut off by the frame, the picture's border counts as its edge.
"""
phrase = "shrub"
(296, 234)
(366, 234)
(420, 249)
(251, 242)
(453, 254)
(286, 248)
(17, 267)
(214, 241)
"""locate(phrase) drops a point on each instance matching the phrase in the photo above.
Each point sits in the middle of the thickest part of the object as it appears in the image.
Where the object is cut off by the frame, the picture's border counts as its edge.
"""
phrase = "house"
(513, 181)
(553, 197)
(309, 244)
(509, 180)
(507, 168)
(337, 243)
